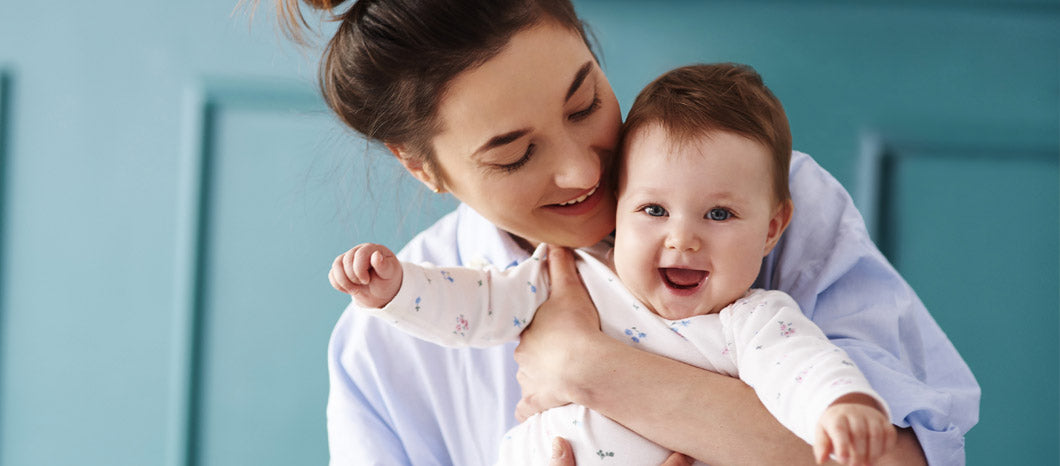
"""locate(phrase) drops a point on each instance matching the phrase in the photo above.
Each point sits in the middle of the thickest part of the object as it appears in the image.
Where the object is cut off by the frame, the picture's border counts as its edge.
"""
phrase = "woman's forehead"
(535, 74)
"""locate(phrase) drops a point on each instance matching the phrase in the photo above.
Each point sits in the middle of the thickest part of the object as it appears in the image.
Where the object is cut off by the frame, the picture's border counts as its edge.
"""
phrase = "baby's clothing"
(762, 338)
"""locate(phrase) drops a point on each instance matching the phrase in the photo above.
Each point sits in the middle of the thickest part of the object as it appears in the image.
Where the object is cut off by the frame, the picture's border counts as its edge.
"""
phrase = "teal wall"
(172, 191)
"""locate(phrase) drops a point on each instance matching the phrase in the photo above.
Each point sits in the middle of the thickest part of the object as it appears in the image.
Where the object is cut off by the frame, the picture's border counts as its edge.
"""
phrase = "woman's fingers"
(561, 265)
(567, 287)
(562, 455)
(677, 459)
(550, 349)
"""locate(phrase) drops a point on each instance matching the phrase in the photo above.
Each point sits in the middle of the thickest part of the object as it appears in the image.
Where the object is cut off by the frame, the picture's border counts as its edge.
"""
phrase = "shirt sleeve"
(463, 306)
(794, 369)
(359, 429)
(828, 263)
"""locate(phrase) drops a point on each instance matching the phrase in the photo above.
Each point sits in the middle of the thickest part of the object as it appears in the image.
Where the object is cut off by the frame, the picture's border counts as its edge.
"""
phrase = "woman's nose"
(579, 166)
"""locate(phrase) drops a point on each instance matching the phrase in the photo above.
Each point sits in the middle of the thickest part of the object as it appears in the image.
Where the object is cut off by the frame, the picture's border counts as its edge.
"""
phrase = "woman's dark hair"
(390, 61)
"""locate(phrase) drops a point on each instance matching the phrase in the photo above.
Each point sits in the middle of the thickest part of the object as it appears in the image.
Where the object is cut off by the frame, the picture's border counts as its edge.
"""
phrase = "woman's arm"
(711, 417)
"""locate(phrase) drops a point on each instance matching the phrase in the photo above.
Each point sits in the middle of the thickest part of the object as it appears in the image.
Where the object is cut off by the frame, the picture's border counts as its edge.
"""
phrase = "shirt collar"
(479, 242)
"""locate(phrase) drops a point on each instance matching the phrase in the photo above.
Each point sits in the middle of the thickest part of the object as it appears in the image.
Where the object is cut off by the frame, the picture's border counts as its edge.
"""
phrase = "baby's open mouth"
(682, 279)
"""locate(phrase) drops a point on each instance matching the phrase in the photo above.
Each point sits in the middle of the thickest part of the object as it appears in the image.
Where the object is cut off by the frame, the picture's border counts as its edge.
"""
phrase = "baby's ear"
(778, 223)
(415, 167)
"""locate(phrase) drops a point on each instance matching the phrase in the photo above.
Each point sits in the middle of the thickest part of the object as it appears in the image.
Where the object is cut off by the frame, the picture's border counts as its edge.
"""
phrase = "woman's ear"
(777, 224)
(415, 167)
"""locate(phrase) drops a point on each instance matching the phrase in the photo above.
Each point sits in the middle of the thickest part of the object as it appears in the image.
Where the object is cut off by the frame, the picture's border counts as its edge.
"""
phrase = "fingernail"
(557, 449)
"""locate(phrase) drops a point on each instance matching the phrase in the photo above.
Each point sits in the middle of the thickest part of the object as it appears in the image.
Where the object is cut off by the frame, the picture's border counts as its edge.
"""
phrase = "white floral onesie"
(762, 338)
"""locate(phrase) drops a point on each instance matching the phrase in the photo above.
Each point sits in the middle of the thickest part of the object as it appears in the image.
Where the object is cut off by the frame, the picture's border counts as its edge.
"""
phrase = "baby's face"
(694, 220)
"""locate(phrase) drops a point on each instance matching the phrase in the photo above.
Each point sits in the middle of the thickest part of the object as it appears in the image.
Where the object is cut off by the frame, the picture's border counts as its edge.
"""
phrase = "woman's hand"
(562, 455)
(551, 345)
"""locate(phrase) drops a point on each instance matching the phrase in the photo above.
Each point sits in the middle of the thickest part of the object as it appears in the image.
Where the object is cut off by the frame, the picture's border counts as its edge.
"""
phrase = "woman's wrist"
(592, 360)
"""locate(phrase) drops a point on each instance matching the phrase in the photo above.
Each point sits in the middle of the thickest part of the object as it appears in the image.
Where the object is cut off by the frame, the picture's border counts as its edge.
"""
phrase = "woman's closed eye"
(587, 111)
(511, 167)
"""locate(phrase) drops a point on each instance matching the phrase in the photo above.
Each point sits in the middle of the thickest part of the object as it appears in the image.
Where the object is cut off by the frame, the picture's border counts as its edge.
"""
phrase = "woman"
(502, 104)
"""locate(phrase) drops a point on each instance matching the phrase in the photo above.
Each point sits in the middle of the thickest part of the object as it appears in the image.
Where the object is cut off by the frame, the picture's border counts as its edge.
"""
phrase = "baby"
(702, 198)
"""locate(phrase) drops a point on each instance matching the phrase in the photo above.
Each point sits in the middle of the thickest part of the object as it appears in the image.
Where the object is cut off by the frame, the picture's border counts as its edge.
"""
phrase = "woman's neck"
(524, 243)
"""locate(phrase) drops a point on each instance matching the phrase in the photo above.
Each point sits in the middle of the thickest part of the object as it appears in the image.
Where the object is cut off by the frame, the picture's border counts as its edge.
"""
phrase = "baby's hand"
(368, 272)
(855, 429)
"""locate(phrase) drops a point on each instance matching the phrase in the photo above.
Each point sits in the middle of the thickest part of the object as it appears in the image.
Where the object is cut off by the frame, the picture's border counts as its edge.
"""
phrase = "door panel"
(275, 172)
(987, 270)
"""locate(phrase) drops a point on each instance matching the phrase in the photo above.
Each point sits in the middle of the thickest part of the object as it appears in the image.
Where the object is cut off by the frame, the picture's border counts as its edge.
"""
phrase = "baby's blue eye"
(654, 210)
(719, 214)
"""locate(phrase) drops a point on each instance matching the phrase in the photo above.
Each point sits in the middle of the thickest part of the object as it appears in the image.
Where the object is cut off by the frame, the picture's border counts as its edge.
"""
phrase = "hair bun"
(324, 4)
(291, 20)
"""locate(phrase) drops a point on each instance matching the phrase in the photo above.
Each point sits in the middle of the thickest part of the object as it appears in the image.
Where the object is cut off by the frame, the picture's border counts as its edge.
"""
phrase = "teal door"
(172, 190)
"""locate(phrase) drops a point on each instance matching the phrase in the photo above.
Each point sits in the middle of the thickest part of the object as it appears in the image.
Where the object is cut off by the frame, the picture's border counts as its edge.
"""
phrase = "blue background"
(172, 191)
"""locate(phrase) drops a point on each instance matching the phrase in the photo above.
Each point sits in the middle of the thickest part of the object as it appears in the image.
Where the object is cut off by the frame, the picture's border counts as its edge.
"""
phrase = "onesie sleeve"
(462, 306)
(794, 369)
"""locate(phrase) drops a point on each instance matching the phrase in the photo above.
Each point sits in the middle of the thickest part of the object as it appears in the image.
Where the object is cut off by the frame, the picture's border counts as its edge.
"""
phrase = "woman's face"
(527, 139)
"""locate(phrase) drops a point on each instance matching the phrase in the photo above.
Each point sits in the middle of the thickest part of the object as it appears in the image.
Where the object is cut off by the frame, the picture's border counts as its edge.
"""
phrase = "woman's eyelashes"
(511, 167)
(587, 111)
(573, 117)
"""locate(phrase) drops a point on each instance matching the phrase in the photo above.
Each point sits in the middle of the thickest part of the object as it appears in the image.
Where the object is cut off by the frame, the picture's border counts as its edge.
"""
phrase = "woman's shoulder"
(437, 243)
(462, 237)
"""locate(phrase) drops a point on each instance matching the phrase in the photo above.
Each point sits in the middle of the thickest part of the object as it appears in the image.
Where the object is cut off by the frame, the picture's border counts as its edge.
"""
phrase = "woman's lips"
(581, 204)
(580, 198)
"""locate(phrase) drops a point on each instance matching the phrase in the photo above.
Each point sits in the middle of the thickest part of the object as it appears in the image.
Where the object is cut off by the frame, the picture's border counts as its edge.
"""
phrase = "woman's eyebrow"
(500, 140)
(579, 78)
(497, 141)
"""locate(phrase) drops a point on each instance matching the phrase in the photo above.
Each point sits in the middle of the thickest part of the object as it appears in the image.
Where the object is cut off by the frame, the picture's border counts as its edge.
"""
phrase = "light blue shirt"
(397, 400)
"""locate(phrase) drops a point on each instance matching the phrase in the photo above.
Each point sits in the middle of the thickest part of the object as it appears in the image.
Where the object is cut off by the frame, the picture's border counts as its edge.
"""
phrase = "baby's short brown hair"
(695, 100)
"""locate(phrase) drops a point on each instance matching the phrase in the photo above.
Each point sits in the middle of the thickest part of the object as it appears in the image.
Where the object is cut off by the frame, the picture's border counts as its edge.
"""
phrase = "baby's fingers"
(874, 441)
(385, 264)
(360, 265)
(838, 435)
(859, 439)
(822, 446)
(882, 438)
(337, 275)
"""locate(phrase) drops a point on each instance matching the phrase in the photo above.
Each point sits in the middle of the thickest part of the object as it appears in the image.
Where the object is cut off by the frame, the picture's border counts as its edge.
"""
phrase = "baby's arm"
(801, 377)
(855, 429)
(448, 306)
(370, 273)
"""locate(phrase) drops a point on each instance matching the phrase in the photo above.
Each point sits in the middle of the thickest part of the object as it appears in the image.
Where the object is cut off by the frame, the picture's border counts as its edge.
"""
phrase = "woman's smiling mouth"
(581, 204)
(581, 198)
